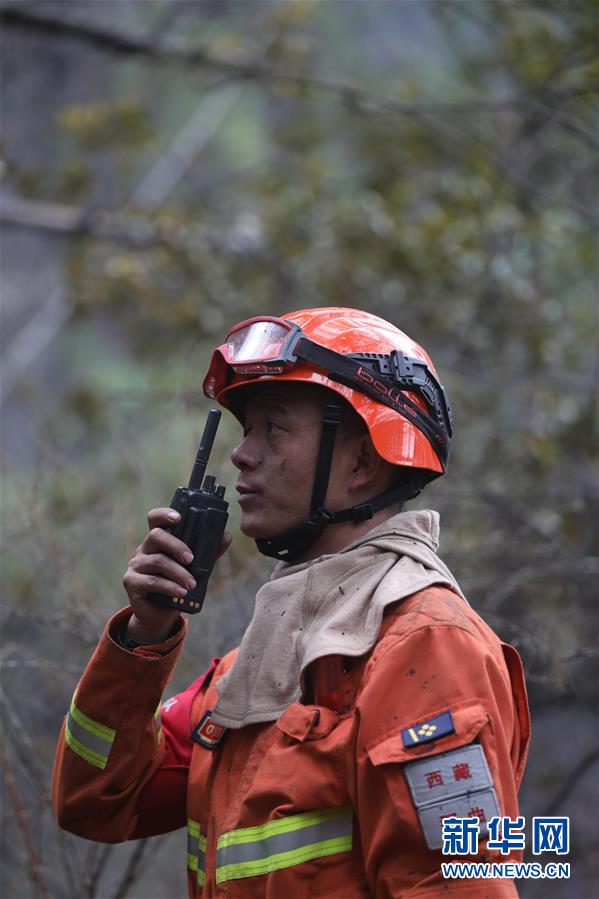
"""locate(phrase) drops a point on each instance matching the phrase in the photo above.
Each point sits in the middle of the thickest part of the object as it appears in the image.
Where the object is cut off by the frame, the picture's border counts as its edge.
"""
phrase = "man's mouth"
(245, 488)
(245, 493)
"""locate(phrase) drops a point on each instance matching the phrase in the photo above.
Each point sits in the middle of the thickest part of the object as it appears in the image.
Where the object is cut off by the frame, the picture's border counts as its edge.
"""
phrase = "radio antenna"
(204, 450)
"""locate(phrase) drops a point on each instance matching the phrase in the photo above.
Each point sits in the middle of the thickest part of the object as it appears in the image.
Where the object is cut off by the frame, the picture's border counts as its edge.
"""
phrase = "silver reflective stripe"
(88, 738)
(282, 843)
(196, 850)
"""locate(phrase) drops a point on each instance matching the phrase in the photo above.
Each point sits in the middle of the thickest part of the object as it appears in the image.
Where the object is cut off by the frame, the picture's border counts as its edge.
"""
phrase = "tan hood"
(331, 605)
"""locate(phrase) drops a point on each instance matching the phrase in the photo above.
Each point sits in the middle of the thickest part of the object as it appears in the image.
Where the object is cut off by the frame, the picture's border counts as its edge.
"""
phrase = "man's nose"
(245, 456)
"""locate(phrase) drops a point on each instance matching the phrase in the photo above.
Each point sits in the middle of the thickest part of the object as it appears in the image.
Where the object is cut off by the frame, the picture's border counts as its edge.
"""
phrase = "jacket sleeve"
(412, 680)
(162, 804)
(112, 742)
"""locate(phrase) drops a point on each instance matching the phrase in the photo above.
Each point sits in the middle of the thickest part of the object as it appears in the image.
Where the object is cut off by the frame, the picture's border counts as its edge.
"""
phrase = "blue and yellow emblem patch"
(207, 734)
(429, 730)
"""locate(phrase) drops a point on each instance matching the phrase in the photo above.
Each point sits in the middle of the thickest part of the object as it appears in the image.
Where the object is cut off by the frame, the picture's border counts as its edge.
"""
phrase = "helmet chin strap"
(294, 543)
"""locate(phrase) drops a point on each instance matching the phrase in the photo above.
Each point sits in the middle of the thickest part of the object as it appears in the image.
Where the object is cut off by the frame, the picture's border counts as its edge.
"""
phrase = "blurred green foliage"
(105, 125)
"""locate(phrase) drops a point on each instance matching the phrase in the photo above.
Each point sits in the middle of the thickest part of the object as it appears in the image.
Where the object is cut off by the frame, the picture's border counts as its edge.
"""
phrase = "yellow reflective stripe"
(283, 842)
(196, 849)
(283, 859)
(279, 825)
(158, 722)
(89, 755)
(94, 727)
(87, 738)
(193, 829)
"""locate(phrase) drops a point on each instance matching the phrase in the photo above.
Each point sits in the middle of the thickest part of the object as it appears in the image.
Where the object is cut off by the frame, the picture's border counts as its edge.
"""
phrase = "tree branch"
(132, 870)
(177, 51)
(21, 819)
(95, 863)
(570, 782)
(585, 567)
(158, 184)
(34, 337)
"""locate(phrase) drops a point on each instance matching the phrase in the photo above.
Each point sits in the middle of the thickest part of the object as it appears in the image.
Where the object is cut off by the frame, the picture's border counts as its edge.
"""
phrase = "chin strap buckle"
(321, 515)
(362, 512)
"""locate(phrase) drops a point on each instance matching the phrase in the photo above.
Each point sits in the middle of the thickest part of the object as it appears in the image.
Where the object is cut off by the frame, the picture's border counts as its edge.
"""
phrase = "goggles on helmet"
(261, 346)
(270, 346)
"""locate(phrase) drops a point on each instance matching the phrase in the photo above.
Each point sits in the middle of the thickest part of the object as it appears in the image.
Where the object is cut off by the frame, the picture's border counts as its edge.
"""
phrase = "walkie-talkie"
(204, 516)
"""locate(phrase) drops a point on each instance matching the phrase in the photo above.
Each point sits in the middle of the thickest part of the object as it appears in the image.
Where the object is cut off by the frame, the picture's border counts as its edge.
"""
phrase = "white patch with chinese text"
(457, 784)
(448, 774)
(481, 805)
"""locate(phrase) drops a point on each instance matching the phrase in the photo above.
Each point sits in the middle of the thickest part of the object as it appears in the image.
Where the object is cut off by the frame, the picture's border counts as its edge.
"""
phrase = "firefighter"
(367, 700)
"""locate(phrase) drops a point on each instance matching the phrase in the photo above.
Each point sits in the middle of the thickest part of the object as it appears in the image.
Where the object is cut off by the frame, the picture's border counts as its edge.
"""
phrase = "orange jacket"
(336, 797)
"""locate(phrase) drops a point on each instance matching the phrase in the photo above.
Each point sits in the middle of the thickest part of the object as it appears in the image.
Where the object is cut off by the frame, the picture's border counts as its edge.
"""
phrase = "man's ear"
(366, 463)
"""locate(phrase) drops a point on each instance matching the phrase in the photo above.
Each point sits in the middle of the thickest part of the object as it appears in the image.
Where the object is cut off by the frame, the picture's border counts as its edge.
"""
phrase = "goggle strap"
(345, 371)
(331, 418)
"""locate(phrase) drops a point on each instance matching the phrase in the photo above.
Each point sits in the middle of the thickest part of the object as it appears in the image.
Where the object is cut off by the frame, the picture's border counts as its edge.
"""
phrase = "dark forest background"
(169, 168)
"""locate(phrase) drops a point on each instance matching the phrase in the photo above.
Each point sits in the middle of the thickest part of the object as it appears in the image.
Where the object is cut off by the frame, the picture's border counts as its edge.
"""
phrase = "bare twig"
(61, 563)
(96, 861)
(35, 867)
(137, 229)
(68, 857)
(167, 17)
(41, 664)
(132, 869)
(39, 331)
(174, 50)
(32, 767)
(585, 567)
(56, 218)
(85, 626)
(24, 746)
(168, 171)
(170, 168)
(570, 782)
(583, 652)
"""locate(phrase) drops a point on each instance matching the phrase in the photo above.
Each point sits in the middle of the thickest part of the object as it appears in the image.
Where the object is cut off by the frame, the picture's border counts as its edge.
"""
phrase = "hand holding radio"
(170, 570)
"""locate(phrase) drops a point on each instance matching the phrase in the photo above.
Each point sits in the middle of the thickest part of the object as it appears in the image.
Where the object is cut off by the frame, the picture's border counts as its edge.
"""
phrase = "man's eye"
(270, 426)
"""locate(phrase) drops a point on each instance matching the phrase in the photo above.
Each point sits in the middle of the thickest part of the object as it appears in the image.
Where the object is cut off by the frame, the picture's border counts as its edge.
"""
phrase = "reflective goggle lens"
(256, 342)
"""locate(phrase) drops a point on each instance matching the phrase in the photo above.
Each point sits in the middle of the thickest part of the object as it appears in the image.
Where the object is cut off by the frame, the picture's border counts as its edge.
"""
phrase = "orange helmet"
(387, 378)
(410, 426)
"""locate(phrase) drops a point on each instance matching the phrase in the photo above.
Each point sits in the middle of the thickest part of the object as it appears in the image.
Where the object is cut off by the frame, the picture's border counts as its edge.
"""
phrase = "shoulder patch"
(449, 774)
(207, 734)
(429, 730)
(455, 784)
(482, 805)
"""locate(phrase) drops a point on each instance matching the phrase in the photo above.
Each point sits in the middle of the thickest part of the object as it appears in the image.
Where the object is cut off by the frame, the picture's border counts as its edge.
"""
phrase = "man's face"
(277, 457)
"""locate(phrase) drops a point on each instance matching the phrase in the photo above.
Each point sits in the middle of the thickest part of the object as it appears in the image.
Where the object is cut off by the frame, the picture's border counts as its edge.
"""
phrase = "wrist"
(140, 634)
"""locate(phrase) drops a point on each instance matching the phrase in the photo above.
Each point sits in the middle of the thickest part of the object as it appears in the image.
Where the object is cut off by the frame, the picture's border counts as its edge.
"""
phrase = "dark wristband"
(131, 645)
(124, 642)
